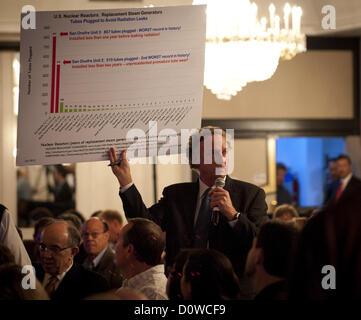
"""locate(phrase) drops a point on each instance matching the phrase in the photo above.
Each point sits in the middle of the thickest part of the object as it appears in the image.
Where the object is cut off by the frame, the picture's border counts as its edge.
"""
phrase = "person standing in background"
(283, 196)
(332, 181)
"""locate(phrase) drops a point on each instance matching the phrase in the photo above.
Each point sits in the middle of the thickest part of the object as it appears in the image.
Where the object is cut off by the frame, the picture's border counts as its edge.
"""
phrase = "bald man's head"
(95, 235)
(59, 244)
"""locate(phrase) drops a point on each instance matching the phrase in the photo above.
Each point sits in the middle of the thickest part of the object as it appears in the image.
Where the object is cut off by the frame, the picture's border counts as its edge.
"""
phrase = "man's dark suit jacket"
(109, 270)
(353, 189)
(77, 284)
(330, 192)
(175, 214)
(283, 196)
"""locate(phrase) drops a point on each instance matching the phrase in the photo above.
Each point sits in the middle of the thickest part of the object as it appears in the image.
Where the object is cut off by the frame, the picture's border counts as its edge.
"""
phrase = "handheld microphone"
(215, 211)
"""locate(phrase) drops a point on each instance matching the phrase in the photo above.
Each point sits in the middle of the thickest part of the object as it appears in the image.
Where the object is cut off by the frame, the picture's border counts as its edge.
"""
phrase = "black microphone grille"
(220, 182)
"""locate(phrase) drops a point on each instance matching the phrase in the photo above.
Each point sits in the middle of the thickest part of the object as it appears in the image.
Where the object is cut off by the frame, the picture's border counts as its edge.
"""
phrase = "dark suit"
(108, 269)
(283, 196)
(77, 284)
(175, 214)
(353, 189)
(330, 192)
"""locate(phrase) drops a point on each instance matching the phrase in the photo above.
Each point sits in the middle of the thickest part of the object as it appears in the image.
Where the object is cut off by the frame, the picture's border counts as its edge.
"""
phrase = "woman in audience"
(285, 212)
(209, 275)
(11, 280)
(174, 291)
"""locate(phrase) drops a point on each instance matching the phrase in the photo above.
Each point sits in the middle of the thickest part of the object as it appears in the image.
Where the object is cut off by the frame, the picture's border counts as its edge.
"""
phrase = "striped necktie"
(201, 229)
(50, 287)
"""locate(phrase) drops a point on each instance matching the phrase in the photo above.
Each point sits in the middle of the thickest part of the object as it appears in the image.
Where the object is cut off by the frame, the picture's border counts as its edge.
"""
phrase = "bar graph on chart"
(90, 81)
(91, 76)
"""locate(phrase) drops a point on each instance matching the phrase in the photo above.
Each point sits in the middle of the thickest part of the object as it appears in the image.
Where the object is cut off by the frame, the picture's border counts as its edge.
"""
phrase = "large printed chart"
(88, 78)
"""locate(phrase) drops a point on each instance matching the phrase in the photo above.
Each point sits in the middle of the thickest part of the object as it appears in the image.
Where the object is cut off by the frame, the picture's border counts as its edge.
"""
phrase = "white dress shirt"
(345, 181)
(152, 283)
(90, 264)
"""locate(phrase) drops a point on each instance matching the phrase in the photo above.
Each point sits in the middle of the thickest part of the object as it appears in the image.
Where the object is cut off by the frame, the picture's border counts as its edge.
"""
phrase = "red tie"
(339, 192)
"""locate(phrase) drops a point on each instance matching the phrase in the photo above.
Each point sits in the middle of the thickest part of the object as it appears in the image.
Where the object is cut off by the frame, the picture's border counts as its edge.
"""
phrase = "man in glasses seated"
(100, 257)
(60, 276)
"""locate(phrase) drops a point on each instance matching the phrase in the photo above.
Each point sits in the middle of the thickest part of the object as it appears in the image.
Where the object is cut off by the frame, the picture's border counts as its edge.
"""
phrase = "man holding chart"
(200, 214)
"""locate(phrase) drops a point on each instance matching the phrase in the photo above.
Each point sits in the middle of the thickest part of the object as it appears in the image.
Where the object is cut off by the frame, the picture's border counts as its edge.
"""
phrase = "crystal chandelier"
(242, 49)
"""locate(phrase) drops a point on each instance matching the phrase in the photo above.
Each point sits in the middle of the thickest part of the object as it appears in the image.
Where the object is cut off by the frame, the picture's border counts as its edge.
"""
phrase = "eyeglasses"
(93, 234)
(53, 249)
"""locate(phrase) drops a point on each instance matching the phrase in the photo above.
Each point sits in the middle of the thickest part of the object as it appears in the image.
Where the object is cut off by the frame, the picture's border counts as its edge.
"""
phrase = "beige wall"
(97, 187)
(7, 134)
(315, 84)
(251, 161)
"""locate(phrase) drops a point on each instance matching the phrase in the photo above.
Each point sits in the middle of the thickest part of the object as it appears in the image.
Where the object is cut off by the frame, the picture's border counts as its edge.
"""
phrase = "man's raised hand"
(121, 170)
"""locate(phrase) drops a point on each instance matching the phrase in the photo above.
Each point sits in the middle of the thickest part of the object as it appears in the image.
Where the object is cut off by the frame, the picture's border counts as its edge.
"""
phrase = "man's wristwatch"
(236, 216)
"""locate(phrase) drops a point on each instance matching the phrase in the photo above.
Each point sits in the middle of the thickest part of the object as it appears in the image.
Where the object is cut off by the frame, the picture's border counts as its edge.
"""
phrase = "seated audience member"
(174, 291)
(138, 254)
(11, 278)
(328, 259)
(62, 278)
(99, 256)
(268, 261)
(283, 196)
(70, 217)
(9, 236)
(10, 282)
(32, 246)
(285, 212)
(114, 221)
(209, 275)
